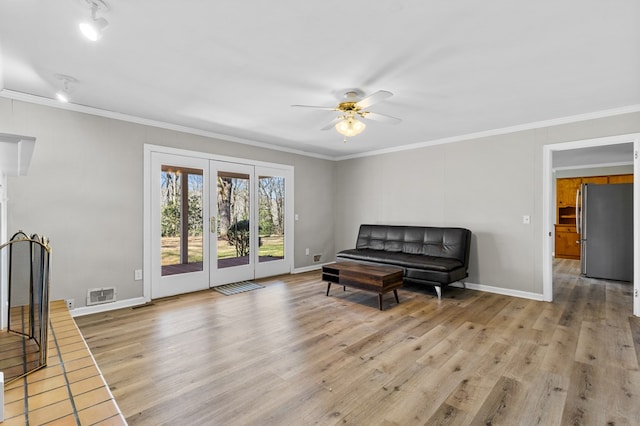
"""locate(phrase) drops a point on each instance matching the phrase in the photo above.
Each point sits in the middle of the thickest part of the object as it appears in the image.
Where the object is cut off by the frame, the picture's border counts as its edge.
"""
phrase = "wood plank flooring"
(288, 354)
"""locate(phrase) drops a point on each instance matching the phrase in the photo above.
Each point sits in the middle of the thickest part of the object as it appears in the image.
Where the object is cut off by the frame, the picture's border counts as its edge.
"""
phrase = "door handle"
(212, 224)
(578, 224)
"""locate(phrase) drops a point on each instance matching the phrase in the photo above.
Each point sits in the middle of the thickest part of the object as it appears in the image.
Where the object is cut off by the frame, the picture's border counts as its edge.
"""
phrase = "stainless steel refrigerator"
(605, 225)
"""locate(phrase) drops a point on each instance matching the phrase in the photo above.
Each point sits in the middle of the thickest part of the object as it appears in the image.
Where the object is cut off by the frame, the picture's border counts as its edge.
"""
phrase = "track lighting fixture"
(67, 81)
(93, 28)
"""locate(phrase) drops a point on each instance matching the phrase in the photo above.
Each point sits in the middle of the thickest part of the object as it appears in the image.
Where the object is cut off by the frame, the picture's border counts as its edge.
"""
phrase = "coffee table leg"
(395, 293)
(328, 287)
(380, 301)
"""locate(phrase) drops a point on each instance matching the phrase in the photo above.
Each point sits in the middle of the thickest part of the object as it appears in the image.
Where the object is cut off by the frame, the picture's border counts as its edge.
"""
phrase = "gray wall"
(84, 191)
(486, 185)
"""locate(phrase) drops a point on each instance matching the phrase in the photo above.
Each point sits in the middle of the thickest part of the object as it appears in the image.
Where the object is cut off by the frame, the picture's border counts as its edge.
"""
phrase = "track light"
(93, 28)
(63, 94)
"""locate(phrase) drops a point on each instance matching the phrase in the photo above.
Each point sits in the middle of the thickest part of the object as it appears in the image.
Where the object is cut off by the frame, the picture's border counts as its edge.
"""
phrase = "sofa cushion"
(419, 240)
(440, 277)
(442, 264)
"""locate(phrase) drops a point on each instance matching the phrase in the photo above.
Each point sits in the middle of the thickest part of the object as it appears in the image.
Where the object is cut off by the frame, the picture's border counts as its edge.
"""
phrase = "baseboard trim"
(310, 268)
(127, 303)
(504, 291)
(137, 301)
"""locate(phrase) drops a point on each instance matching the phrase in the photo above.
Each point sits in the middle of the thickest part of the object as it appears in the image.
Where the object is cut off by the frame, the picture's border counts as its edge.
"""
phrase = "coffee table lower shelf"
(379, 279)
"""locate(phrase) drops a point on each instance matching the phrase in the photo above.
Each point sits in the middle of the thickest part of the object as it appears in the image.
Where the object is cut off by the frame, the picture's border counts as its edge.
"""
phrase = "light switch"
(526, 219)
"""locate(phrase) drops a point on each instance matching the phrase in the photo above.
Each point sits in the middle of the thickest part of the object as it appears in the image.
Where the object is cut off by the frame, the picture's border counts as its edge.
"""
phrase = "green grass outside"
(170, 253)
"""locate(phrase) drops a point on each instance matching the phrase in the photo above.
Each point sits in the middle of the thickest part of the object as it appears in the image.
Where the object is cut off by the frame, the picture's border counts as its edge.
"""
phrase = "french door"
(180, 232)
(250, 223)
(215, 222)
(232, 218)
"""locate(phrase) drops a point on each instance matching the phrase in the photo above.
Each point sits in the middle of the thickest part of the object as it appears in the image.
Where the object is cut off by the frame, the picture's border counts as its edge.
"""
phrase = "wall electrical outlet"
(317, 257)
(526, 219)
(137, 275)
(70, 303)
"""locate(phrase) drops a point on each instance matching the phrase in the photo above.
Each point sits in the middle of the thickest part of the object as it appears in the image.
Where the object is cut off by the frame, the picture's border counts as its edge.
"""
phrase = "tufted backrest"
(426, 240)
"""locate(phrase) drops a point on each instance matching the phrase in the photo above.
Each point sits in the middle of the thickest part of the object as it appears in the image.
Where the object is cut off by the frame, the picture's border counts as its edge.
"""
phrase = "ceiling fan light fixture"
(350, 126)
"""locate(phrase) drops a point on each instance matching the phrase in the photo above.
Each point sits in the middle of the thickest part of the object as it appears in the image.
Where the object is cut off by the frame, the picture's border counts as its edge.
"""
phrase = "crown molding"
(505, 130)
(39, 100)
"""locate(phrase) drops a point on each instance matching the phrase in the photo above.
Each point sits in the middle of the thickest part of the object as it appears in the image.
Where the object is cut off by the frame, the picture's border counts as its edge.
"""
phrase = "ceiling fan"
(355, 106)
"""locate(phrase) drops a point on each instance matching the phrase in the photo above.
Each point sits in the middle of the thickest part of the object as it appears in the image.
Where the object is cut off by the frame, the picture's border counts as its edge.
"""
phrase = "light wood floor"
(287, 354)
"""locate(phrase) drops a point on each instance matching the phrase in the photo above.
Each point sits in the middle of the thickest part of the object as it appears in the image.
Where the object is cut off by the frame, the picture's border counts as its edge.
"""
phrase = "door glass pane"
(270, 218)
(233, 219)
(181, 220)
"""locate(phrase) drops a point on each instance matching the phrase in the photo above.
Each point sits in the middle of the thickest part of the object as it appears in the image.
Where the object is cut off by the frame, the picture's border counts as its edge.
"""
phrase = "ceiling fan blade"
(379, 117)
(373, 99)
(316, 107)
(333, 123)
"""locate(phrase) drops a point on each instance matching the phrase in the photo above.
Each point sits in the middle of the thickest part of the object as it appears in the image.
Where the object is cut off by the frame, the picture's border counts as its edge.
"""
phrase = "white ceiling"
(607, 155)
(234, 68)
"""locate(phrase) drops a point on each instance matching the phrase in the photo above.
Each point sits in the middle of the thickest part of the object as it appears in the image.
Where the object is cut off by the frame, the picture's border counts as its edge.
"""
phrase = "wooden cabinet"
(567, 242)
(598, 180)
(621, 179)
(566, 189)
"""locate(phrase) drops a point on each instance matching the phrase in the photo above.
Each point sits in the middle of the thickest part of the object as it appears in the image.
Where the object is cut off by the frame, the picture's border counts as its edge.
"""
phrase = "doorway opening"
(553, 167)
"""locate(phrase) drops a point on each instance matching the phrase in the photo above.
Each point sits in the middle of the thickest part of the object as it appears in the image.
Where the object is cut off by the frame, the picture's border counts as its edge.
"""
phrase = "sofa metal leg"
(464, 284)
(438, 291)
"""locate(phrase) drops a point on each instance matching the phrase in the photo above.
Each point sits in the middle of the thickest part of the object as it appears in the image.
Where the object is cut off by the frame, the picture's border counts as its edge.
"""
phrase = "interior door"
(180, 231)
(233, 240)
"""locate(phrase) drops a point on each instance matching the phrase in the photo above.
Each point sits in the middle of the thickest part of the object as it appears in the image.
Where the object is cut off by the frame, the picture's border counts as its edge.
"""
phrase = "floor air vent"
(96, 296)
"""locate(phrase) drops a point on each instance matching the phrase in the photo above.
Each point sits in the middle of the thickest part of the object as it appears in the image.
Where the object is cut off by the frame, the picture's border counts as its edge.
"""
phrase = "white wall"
(486, 185)
(85, 188)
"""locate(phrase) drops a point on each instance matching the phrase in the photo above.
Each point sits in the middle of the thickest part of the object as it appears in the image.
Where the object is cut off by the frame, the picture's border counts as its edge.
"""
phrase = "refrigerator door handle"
(578, 221)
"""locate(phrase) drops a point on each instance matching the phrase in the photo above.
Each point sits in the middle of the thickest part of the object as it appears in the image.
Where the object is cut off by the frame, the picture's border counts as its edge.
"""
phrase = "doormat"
(234, 288)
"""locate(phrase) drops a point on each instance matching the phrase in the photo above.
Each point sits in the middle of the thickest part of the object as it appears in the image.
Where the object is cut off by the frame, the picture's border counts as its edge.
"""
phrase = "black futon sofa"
(429, 255)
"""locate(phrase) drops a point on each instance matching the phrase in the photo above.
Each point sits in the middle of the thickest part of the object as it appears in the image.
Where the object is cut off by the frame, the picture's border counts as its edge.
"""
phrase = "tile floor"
(70, 390)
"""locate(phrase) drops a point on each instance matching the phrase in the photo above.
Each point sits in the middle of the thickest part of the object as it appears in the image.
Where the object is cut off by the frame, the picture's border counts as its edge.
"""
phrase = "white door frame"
(170, 285)
(548, 208)
(147, 208)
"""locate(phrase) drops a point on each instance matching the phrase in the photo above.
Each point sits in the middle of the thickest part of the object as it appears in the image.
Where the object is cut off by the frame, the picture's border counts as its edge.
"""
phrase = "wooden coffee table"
(380, 279)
